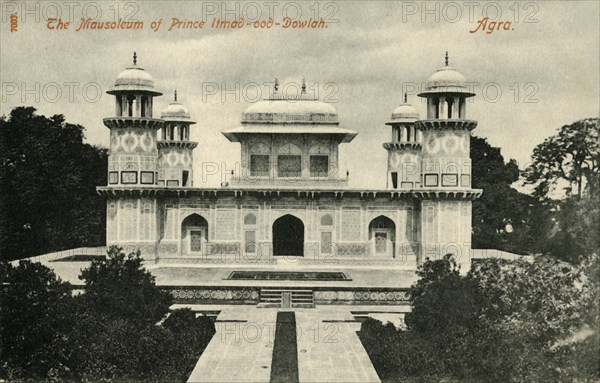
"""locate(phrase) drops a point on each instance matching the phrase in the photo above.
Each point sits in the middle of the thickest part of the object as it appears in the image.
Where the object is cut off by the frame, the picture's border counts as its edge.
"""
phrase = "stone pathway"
(328, 347)
(241, 348)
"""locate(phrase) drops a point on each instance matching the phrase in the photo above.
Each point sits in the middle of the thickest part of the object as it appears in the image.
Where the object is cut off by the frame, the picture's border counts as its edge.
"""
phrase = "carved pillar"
(442, 109)
(456, 108)
(138, 106)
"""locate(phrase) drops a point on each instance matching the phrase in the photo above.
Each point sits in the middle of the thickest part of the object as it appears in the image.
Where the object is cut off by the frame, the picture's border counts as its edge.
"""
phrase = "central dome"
(288, 116)
(290, 111)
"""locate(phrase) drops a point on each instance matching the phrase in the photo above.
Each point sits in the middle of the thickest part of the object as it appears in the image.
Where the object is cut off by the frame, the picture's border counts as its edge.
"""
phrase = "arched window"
(289, 149)
(259, 161)
(450, 106)
(319, 149)
(250, 233)
(250, 219)
(381, 222)
(289, 161)
(319, 160)
(144, 103)
(326, 234)
(130, 102)
(185, 133)
(326, 220)
(119, 101)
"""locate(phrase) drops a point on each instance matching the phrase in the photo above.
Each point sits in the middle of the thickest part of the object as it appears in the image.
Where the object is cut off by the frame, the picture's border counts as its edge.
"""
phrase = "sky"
(540, 74)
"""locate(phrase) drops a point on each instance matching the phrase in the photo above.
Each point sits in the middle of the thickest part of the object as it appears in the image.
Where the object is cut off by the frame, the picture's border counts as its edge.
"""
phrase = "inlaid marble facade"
(288, 198)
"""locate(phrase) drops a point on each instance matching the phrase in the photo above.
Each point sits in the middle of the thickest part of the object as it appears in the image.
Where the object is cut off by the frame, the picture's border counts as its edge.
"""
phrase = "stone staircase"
(286, 298)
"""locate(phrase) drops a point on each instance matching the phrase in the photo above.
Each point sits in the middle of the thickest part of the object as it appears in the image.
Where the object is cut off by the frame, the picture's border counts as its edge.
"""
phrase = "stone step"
(271, 300)
(303, 305)
(270, 295)
(273, 297)
(303, 300)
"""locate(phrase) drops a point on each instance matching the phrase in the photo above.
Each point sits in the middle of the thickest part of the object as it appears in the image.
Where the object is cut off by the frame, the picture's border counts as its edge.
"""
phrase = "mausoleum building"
(289, 197)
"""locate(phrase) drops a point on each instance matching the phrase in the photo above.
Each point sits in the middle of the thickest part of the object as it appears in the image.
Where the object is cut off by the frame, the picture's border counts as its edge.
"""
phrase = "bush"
(111, 332)
(122, 309)
(504, 322)
(34, 308)
(399, 355)
(119, 287)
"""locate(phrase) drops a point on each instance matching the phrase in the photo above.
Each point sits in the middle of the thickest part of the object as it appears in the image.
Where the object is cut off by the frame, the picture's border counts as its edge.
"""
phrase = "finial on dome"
(405, 99)
(134, 58)
(446, 58)
(175, 96)
(303, 84)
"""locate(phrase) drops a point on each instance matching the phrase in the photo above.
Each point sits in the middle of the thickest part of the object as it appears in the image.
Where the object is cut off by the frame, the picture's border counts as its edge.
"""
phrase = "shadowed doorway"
(382, 234)
(288, 236)
(194, 234)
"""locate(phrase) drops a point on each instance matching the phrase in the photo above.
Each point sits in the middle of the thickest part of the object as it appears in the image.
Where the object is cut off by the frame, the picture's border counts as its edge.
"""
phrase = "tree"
(570, 157)
(120, 287)
(502, 206)
(110, 332)
(425, 303)
(34, 310)
(118, 335)
(565, 172)
(574, 234)
(505, 321)
(48, 178)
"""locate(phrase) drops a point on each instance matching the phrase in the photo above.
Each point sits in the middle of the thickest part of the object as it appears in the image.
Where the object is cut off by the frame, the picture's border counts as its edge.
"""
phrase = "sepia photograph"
(300, 191)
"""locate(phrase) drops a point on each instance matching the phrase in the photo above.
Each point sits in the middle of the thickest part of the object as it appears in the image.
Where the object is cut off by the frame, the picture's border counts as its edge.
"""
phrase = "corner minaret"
(446, 131)
(446, 192)
(175, 150)
(131, 219)
(404, 148)
(133, 153)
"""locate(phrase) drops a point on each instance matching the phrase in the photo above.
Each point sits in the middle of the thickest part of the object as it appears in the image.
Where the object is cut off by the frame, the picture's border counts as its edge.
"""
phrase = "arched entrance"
(194, 234)
(288, 236)
(382, 234)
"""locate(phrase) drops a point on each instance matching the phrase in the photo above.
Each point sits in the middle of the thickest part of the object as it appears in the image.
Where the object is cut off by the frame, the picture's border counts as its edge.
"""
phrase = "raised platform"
(212, 285)
(285, 282)
(296, 281)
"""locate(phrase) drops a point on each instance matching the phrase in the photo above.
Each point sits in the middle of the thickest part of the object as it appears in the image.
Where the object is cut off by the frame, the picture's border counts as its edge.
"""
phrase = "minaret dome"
(175, 150)
(134, 79)
(404, 148)
(446, 92)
